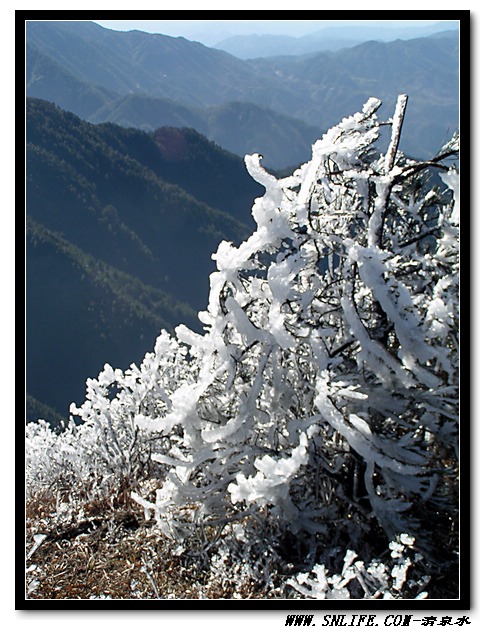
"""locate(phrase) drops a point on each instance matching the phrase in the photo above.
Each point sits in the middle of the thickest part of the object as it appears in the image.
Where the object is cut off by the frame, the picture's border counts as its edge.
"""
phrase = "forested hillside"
(121, 227)
(239, 127)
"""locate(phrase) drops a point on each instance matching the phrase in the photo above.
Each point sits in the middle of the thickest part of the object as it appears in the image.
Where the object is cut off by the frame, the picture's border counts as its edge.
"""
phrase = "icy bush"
(330, 348)
(323, 392)
(113, 445)
(376, 580)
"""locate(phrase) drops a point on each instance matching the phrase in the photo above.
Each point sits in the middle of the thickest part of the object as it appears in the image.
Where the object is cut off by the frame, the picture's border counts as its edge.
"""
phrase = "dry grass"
(113, 552)
(105, 548)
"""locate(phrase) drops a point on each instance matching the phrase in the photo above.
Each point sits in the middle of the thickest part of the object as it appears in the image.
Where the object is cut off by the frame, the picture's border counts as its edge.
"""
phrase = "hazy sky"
(212, 31)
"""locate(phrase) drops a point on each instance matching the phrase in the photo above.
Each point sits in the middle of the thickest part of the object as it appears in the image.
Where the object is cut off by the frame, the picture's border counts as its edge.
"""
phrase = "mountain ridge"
(328, 39)
(194, 76)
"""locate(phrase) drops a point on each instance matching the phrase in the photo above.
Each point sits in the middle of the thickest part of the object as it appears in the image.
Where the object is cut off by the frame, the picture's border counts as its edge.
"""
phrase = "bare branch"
(397, 122)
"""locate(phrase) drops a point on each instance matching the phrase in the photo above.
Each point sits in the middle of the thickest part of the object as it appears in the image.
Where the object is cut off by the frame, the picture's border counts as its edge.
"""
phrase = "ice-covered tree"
(323, 393)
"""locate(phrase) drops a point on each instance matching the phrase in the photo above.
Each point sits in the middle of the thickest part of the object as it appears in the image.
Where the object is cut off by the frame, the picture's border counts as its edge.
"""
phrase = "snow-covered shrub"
(323, 393)
(328, 372)
(109, 449)
(376, 580)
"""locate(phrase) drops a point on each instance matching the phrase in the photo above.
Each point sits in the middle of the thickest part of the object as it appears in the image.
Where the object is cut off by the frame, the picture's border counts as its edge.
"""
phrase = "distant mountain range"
(121, 225)
(275, 106)
(328, 39)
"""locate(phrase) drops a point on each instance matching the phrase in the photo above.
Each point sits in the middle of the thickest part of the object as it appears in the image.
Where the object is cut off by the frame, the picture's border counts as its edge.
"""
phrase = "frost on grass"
(321, 400)
(375, 580)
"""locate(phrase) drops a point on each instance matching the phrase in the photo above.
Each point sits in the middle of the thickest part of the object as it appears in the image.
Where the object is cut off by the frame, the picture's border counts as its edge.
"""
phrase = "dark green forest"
(121, 225)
